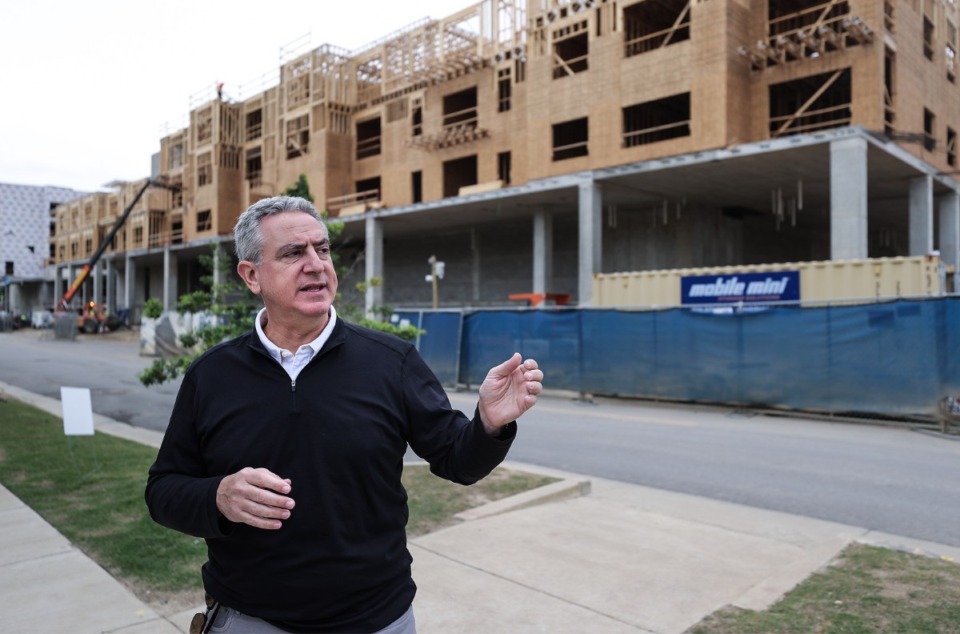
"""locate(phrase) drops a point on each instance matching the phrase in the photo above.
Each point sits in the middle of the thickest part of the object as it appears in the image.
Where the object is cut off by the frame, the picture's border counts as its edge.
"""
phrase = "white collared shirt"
(290, 361)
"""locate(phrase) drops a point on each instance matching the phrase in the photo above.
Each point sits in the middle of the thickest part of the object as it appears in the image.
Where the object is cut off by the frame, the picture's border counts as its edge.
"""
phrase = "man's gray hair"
(247, 236)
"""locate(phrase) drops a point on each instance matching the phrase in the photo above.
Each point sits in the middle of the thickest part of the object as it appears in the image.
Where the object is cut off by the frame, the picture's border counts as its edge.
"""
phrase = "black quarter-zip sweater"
(339, 433)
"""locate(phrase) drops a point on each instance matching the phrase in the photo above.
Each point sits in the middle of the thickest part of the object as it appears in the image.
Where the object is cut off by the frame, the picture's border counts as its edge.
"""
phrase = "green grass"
(433, 502)
(866, 590)
(90, 488)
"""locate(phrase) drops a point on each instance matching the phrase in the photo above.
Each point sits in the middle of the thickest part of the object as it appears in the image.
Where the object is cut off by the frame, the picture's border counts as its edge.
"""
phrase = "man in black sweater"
(285, 446)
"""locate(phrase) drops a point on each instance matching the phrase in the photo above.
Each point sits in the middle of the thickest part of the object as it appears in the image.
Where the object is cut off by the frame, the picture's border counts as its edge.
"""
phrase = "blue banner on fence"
(894, 358)
(772, 286)
(439, 342)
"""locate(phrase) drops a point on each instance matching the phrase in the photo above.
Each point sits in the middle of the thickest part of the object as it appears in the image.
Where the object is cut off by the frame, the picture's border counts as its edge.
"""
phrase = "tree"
(301, 189)
(232, 307)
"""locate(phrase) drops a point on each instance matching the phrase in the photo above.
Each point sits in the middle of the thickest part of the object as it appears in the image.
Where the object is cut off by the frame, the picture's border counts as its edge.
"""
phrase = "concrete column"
(590, 239)
(129, 280)
(542, 252)
(950, 231)
(13, 299)
(921, 216)
(848, 199)
(111, 298)
(373, 264)
(58, 286)
(97, 275)
(169, 279)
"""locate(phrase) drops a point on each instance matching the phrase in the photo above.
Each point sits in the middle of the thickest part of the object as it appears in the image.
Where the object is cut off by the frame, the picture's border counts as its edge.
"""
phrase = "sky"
(90, 87)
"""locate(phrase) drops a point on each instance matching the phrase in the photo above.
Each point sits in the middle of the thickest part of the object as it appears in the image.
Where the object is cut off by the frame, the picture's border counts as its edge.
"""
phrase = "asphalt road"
(895, 480)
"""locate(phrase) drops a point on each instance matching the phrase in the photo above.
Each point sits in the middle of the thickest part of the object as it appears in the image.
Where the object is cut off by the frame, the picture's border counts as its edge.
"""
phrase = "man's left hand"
(508, 391)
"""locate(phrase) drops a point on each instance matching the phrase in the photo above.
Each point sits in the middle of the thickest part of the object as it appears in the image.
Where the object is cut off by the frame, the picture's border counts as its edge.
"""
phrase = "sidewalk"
(584, 555)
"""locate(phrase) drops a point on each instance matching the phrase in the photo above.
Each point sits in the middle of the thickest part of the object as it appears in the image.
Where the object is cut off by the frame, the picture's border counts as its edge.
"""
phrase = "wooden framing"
(899, 55)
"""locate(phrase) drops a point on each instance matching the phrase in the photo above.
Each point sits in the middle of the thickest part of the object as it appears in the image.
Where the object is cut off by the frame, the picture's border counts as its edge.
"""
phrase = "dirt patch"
(168, 603)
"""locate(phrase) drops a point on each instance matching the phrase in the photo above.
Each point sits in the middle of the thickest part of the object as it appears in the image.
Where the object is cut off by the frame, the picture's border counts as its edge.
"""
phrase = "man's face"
(295, 278)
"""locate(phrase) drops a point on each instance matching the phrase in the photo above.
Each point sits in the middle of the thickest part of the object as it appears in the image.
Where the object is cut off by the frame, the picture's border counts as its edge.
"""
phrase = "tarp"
(891, 359)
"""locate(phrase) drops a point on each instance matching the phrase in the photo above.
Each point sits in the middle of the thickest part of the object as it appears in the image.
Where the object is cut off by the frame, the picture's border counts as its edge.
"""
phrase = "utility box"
(851, 281)
(65, 326)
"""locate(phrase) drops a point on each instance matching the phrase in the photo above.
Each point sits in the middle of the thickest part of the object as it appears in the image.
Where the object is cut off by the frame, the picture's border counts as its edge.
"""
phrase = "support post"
(542, 251)
(373, 264)
(848, 199)
(590, 239)
(169, 279)
(111, 296)
(950, 233)
(129, 280)
(921, 216)
(97, 283)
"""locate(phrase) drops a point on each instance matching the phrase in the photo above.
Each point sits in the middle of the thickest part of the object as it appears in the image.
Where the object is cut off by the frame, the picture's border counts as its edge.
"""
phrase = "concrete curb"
(552, 492)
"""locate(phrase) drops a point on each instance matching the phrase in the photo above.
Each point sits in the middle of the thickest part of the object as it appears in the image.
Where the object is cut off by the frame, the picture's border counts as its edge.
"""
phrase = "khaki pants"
(233, 622)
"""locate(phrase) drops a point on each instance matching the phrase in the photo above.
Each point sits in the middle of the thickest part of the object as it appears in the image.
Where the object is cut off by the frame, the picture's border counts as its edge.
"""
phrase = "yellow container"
(857, 281)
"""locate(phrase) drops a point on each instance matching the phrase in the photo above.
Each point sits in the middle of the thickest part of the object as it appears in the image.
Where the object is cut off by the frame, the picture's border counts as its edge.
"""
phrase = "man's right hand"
(256, 497)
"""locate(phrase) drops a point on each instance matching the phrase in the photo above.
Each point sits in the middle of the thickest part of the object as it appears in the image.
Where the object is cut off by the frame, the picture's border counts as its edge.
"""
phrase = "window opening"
(156, 228)
(570, 139)
(929, 121)
(176, 196)
(503, 167)
(368, 189)
(812, 103)
(657, 120)
(951, 147)
(571, 50)
(204, 169)
(927, 38)
(368, 138)
(254, 125)
(254, 166)
(417, 119)
(298, 136)
(460, 109)
(204, 221)
(805, 29)
(176, 156)
(503, 90)
(8, 268)
(459, 173)
(416, 185)
(651, 25)
(791, 17)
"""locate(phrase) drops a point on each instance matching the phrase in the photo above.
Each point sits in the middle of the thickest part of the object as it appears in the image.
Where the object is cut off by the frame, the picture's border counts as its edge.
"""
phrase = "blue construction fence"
(898, 358)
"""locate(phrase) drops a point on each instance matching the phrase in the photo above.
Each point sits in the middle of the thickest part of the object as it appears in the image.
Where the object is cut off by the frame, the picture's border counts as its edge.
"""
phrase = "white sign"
(77, 411)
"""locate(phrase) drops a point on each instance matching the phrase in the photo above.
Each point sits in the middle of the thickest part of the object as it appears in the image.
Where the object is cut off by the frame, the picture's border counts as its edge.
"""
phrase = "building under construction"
(531, 145)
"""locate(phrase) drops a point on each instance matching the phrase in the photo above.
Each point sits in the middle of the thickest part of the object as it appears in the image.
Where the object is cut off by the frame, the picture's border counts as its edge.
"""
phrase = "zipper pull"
(293, 385)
